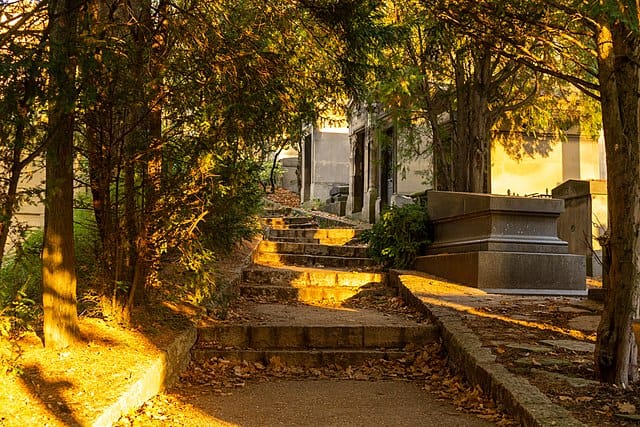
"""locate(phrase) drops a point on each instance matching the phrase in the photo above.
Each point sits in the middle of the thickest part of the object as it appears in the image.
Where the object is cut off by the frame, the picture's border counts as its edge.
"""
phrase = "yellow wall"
(575, 158)
(526, 176)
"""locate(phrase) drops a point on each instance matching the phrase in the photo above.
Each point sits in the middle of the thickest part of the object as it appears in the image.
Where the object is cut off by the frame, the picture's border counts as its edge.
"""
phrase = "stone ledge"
(165, 370)
(162, 373)
(466, 354)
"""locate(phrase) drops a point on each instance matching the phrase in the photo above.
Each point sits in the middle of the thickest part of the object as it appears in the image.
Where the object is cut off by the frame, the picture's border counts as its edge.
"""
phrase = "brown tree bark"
(151, 40)
(471, 142)
(58, 261)
(18, 163)
(618, 49)
(9, 203)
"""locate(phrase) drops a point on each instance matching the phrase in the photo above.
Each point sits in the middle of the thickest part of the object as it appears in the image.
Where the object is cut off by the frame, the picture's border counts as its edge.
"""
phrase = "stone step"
(307, 225)
(327, 296)
(287, 220)
(311, 260)
(302, 277)
(285, 239)
(281, 337)
(327, 236)
(306, 358)
(274, 212)
(286, 223)
(266, 246)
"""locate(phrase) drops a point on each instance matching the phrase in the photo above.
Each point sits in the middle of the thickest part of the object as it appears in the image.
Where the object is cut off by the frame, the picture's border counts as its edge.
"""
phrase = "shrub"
(21, 273)
(401, 234)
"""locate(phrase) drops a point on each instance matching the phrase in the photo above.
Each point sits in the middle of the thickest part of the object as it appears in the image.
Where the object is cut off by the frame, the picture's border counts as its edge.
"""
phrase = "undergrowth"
(401, 234)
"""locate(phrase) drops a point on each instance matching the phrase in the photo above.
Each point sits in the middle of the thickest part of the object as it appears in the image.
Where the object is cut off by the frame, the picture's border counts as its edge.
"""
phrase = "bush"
(21, 273)
(234, 204)
(19, 292)
(401, 234)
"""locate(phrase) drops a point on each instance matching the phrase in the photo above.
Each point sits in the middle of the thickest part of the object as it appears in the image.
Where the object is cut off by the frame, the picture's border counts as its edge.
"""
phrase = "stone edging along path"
(466, 354)
(159, 375)
(165, 370)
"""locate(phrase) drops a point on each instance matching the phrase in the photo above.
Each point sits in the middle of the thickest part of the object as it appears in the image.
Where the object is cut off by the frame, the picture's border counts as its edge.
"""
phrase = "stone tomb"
(501, 244)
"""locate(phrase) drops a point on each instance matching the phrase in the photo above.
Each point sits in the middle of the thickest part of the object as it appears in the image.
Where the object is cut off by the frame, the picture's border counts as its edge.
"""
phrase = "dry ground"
(61, 388)
(575, 387)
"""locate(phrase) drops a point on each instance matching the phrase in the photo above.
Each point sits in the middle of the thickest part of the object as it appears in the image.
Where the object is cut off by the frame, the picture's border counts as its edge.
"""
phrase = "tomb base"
(510, 272)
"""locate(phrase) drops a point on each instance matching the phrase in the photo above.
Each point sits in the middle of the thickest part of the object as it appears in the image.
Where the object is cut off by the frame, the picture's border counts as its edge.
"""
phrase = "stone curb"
(165, 369)
(160, 374)
(466, 354)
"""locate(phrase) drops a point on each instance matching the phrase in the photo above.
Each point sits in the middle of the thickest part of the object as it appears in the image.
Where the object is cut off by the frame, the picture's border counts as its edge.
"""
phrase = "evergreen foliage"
(401, 234)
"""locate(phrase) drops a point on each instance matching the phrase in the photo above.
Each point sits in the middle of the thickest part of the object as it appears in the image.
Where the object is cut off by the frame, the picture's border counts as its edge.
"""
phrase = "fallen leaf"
(626, 408)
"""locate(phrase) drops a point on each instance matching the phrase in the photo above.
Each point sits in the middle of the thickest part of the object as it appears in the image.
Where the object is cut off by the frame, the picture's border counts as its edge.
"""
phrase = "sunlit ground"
(465, 299)
(72, 386)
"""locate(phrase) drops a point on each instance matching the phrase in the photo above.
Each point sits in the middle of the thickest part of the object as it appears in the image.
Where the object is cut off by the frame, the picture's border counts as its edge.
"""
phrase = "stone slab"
(577, 188)
(585, 323)
(570, 309)
(445, 204)
(465, 222)
(572, 345)
(304, 358)
(532, 348)
(572, 381)
(543, 361)
(561, 274)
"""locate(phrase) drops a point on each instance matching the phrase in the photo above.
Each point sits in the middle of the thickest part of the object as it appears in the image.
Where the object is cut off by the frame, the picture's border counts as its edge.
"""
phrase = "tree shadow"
(49, 393)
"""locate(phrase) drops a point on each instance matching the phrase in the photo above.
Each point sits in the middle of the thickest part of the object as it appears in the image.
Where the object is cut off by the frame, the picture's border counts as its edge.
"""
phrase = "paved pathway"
(314, 403)
(309, 402)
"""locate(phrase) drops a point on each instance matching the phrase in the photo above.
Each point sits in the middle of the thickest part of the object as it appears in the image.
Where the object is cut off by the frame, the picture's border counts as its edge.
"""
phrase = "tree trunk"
(8, 207)
(472, 125)
(274, 166)
(9, 204)
(148, 63)
(58, 261)
(620, 85)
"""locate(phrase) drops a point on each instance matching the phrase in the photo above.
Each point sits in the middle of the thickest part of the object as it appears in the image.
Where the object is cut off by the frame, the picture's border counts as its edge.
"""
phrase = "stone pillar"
(584, 219)
(372, 193)
(352, 177)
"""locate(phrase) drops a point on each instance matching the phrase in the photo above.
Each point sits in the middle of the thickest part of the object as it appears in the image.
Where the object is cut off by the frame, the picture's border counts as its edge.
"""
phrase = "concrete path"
(318, 403)
(269, 399)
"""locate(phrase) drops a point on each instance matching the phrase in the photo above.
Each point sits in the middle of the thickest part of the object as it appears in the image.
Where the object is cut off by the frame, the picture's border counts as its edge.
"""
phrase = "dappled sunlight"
(464, 299)
(439, 287)
(97, 332)
(481, 313)
(268, 259)
(269, 245)
(334, 307)
(67, 386)
(54, 257)
(334, 236)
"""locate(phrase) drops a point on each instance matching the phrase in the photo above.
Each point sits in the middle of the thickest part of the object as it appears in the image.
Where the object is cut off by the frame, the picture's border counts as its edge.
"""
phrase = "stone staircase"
(299, 263)
(309, 345)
